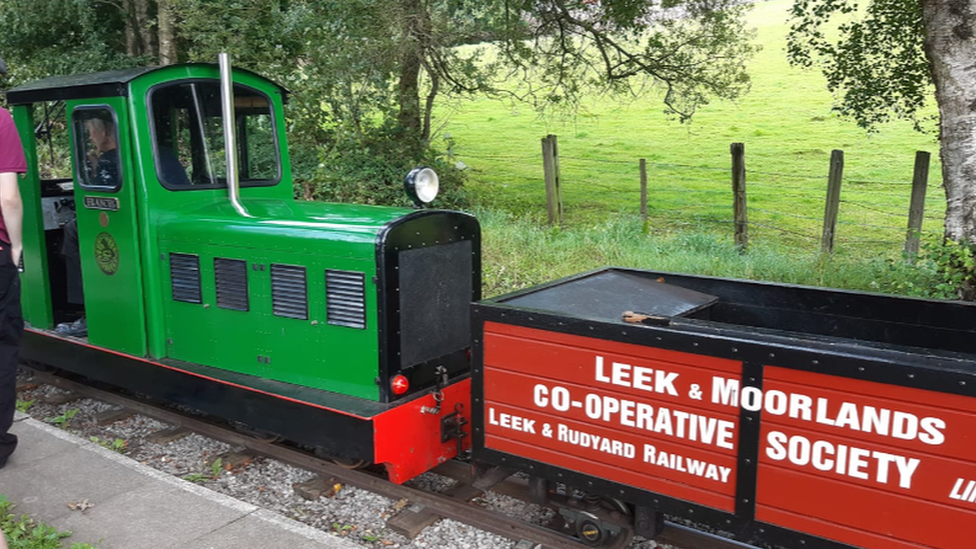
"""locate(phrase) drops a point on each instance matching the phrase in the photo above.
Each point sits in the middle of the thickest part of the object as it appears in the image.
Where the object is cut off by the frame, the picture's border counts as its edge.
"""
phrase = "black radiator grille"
(230, 276)
(345, 298)
(184, 272)
(289, 291)
(435, 294)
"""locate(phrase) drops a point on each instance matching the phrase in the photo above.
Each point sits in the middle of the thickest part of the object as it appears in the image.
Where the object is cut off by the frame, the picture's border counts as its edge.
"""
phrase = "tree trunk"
(950, 45)
(142, 26)
(167, 33)
(131, 34)
(411, 61)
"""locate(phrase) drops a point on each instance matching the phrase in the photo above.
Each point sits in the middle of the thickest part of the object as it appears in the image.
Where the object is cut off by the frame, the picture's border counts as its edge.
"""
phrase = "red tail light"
(399, 384)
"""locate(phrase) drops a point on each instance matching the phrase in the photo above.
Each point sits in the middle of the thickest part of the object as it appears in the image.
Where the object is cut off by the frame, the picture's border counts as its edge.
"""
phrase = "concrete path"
(135, 506)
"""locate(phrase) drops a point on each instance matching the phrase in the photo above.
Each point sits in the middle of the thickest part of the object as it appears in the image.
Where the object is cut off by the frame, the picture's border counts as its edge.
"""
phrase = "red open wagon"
(778, 414)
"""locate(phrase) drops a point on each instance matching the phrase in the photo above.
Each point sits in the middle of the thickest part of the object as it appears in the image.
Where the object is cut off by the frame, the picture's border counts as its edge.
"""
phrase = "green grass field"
(785, 122)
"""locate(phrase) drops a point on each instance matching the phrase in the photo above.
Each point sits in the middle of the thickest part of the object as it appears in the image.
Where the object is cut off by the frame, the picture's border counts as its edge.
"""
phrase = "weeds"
(24, 405)
(117, 445)
(215, 469)
(64, 419)
(25, 533)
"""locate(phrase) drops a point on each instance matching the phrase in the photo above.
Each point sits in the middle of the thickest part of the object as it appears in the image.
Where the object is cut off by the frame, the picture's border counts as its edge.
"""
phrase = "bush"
(371, 170)
(955, 267)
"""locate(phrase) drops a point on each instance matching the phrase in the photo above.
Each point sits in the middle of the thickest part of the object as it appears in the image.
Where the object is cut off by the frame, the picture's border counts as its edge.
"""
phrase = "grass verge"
(518, 252)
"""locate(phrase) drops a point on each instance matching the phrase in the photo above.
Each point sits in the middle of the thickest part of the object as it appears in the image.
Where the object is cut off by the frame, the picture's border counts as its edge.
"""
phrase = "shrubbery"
(371, 169)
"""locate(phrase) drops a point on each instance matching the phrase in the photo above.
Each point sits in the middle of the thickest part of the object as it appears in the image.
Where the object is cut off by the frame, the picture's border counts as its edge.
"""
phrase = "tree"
(56, 37)
(886, 60)
(366, 74)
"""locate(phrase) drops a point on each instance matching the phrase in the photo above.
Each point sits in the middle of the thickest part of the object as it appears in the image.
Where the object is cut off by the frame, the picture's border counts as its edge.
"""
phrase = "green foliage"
(365, 74)
(788, 131)
(24, 405)
(196, 478)
(216, 468)
(519, 253)
(873, 57)
(24, 533)
(62, 37)
(64, 419)
(116, 445)
(371, 171)
(953, 265)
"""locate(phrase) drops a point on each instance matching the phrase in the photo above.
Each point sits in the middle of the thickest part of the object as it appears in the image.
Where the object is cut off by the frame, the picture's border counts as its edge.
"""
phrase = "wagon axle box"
(776, 414)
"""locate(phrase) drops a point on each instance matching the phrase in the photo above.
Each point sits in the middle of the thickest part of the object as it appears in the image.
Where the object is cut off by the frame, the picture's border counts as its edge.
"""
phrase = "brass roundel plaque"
(106, 253)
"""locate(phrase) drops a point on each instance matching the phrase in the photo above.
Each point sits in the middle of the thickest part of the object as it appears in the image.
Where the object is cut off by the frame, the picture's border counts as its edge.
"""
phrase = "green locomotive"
(341, 327)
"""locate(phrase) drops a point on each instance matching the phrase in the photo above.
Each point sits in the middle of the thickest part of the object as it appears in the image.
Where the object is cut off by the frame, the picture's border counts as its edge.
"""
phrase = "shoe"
(78, 328)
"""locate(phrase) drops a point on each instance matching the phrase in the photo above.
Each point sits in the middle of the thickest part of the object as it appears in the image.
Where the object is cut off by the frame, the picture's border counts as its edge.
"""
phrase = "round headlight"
(422, 185)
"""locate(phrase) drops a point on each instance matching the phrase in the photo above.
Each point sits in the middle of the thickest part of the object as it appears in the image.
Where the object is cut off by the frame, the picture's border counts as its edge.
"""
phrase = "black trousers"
(11, 328)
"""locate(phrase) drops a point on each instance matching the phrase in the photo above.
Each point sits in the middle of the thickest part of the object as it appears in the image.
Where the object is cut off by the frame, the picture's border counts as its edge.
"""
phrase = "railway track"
(453, 503)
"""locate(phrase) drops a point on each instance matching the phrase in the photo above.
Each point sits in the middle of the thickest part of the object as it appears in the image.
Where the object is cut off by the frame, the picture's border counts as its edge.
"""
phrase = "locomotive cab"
(186, 266)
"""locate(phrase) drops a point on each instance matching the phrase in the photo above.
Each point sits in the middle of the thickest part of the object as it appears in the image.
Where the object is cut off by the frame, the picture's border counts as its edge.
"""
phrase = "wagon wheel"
(611, 527)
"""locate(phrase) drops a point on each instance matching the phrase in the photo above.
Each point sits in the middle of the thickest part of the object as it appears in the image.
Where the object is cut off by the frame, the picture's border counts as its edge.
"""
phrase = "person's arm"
(13, 213)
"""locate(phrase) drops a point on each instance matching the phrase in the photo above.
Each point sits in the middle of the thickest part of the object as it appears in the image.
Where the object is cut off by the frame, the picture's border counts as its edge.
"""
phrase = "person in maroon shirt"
(12, 162)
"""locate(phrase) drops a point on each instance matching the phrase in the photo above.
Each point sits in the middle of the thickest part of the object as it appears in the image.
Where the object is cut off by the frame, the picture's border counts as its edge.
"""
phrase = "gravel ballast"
(344, 510)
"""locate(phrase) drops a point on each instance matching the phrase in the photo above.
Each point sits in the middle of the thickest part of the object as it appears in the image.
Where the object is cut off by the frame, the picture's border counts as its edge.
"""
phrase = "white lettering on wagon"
(671, 415)
(638, 377)
(511, 421)
(640, 415)
(859, 463)
(593, 441)
(964, 490)
(845, 415)
(685, 464)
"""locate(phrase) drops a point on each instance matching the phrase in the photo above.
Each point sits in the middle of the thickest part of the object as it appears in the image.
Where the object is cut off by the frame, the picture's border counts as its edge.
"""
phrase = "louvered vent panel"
(345, 298)
(230, 276)
(184, 271)
(289, 291)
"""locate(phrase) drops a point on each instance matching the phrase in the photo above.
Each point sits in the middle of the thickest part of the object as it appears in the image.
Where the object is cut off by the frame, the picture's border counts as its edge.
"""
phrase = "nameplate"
(107, 203)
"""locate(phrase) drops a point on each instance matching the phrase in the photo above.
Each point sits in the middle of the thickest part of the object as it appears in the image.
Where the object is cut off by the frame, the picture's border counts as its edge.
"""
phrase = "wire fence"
(787, 208)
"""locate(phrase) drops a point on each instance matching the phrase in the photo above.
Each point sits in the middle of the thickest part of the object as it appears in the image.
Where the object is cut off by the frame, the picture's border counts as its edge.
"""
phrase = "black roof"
(83, 86)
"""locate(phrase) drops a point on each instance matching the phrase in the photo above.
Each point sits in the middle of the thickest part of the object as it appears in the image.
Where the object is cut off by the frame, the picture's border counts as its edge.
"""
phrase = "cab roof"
(97, 84)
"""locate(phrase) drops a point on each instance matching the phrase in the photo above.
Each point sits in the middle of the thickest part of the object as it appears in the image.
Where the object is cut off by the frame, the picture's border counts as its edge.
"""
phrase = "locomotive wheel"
(349, 463)
(341, 461)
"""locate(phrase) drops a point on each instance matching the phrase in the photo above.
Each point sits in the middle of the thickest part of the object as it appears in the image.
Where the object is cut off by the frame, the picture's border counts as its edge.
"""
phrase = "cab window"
(96, 138)
(188, 136)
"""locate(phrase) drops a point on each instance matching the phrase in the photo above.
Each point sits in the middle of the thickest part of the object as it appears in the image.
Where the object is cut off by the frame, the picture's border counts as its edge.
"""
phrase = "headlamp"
(422, 185)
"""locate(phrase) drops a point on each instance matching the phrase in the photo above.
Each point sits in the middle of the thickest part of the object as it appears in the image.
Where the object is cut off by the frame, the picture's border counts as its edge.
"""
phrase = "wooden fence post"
(550, 164)
(643, 187)
(833, 200)
(739, 196)
(916, 211)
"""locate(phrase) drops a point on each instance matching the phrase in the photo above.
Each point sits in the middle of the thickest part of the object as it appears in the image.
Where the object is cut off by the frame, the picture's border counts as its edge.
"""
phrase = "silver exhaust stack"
(230, 134)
